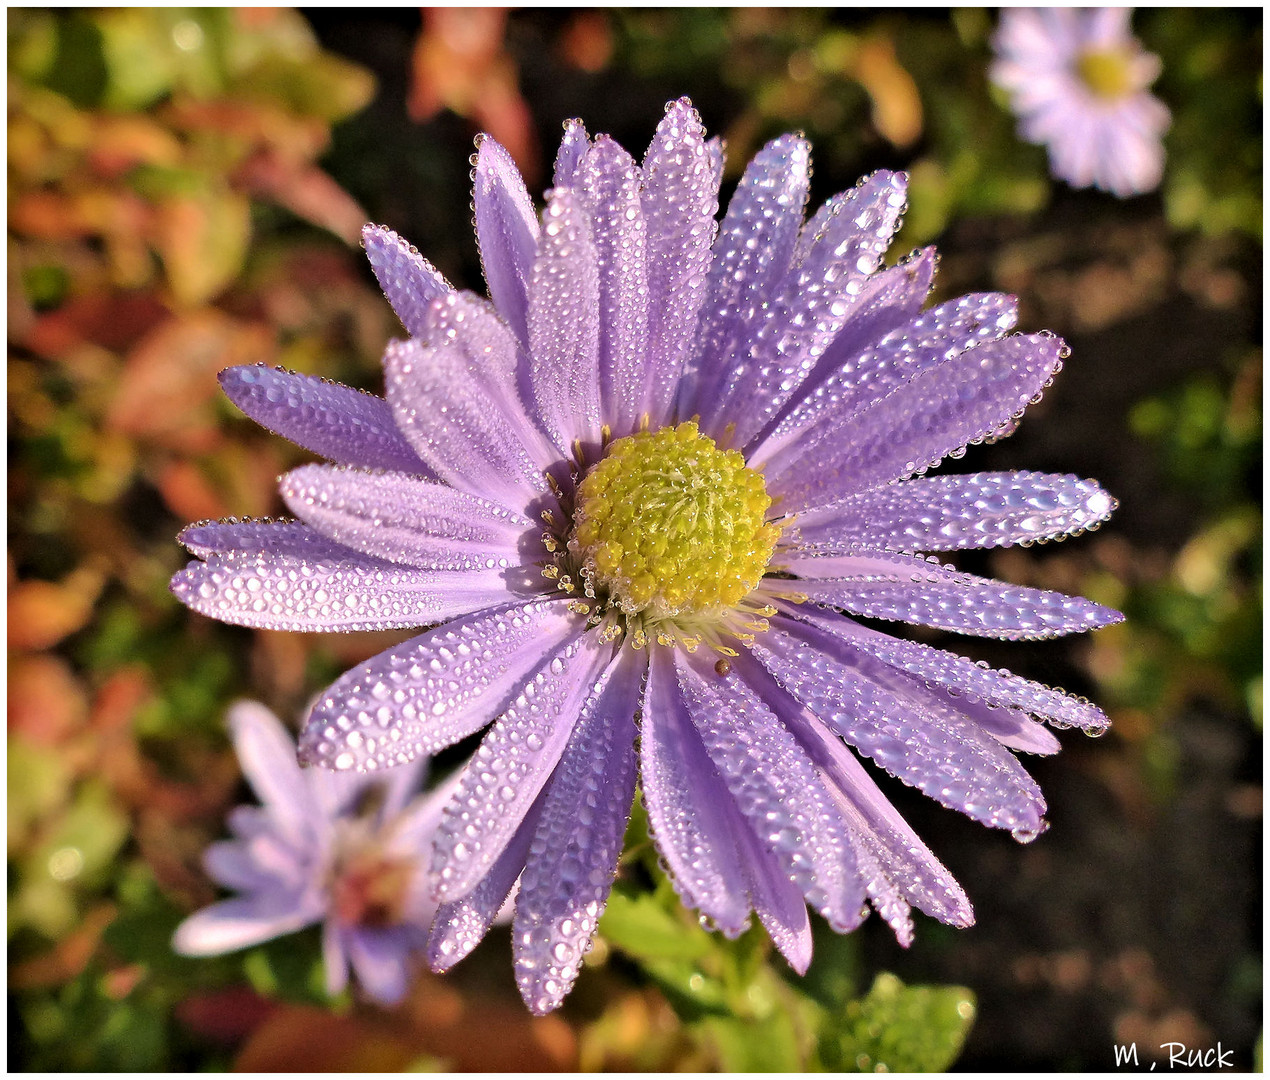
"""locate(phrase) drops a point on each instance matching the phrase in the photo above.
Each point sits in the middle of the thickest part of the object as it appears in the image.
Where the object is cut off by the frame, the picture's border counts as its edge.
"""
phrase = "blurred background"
(186, 189)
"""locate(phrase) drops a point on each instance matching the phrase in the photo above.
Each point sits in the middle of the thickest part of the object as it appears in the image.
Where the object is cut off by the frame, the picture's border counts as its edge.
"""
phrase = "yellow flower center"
(669, 525)
(1107, 73)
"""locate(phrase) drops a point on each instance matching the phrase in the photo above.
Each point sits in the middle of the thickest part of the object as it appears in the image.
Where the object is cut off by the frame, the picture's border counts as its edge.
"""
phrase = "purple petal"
(680, 199)
(407, 520)
(944, 513)
(564, 324)
(233, 865)
(427, 693)
(751, 257)
(337, 422)
(813, 304)
(963, 676)
(609, 184)
(906, 588)
(573, 858)
(887, 300)
(891, 718)
(938, 412)
(865, 375)
(266, 753)
(409, 281)
(573, 148)
(775, 787)
(379, 959)
(461, 421)
(334, 957)
(413, 820)
(287, 592)
(776, 899)
(899, 869)
(688, 805)
(461, 924)
(514, 761)
(233, 537)
(506, 232)
(243, 921)
(1009, 727)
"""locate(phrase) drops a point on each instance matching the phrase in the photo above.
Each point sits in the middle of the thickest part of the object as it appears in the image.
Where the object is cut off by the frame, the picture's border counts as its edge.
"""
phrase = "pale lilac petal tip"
(408, 280)
(337, 422)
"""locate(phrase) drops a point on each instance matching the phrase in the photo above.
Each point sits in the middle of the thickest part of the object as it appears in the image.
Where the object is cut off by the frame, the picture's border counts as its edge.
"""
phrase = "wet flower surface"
(342, 849)
(1077, 80)
(643, 493)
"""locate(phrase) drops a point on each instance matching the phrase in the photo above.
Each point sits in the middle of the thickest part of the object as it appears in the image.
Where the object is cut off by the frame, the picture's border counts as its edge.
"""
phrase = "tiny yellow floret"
(668, 524)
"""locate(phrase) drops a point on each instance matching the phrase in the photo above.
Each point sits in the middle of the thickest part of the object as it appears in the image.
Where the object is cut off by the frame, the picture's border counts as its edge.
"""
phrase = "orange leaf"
(42, 613)
(47, 703)
(169, 378)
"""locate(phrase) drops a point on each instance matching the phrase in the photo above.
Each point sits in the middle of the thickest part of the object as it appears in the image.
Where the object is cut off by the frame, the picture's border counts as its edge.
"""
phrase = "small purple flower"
(342, 849)
(1077, 79)
(639, 494)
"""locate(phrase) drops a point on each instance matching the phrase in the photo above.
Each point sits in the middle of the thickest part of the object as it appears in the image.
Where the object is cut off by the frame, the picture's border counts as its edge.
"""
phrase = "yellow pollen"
(1106, 72)
(668, 524)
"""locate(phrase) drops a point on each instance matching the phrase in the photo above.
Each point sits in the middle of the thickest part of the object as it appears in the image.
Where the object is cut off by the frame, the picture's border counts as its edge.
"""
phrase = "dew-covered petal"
(427, 693)
(690, 810)
(609, 184)
(573, 858)
(776, 788)
(407, 520)
(463, 333)
(378, 956)
(207, 539)
(812, 305)
(962, 676)
(938, 412)
(894, 720)
(506, 232)
(882, 585)
(337, 422)
(474, 438)
(889, 299)
(573, 147)
(896, 867)
(564, 324)
(943, 513)
(461, 924)
(514, 761)
(266, 754)
(1010, 727)
(868, 369)
(240, 922)
(409, 281)
(680, 201)
(288, 592)
(751, 256)
(777, 901)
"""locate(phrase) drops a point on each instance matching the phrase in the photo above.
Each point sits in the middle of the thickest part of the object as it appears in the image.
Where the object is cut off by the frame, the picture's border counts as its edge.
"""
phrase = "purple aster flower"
(643, 494)
(1077, 79)
(342, 849)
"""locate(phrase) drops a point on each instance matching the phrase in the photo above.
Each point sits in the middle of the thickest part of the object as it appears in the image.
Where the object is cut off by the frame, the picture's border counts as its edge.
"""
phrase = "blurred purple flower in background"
(1077, 80)
(638, 493)
(343, 849)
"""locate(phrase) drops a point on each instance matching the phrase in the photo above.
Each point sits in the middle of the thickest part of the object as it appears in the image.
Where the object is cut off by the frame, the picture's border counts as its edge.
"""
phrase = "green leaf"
(746, 1045)
(636, 923)
(898, 1028)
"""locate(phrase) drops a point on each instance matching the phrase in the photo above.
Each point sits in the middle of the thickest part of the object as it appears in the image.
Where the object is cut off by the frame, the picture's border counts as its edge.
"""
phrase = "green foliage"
(898, 1028)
